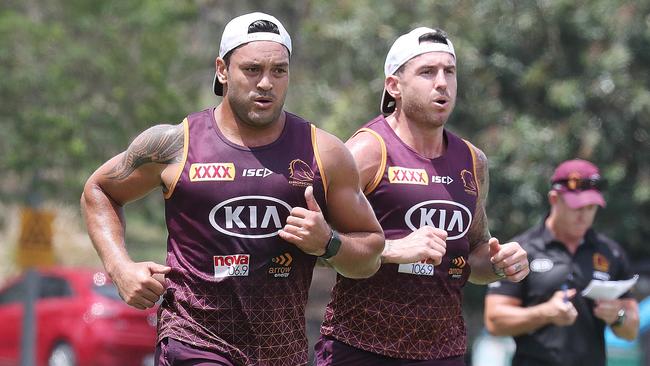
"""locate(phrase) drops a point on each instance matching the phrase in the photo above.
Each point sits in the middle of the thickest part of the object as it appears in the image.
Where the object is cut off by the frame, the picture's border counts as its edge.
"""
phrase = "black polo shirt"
(551, 266)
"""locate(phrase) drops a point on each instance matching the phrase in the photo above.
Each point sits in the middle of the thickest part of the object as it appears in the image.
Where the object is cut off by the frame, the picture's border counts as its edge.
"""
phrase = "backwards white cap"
(405, 48)
(237, 33)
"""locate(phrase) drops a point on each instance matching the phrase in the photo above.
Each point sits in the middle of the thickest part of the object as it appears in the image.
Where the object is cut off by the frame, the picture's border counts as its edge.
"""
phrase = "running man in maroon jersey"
(247, 189)
(428, 188)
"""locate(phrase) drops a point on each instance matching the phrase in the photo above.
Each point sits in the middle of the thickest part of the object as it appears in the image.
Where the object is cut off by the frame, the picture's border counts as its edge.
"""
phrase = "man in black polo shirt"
(552, 324)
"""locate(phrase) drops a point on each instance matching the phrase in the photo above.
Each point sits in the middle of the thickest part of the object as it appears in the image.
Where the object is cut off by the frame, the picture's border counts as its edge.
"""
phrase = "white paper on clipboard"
(608, 290)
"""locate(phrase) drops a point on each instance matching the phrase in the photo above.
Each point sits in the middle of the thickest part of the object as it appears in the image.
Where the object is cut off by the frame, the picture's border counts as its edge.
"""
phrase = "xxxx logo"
(283, 260)
(212, 172)
(401, 175)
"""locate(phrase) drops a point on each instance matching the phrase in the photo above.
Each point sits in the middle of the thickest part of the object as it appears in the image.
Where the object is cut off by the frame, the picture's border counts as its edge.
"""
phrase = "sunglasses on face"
(577, 184)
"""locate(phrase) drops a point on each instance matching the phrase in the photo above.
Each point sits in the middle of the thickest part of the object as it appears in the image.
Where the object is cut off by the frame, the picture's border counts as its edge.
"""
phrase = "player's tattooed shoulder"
(161, 144)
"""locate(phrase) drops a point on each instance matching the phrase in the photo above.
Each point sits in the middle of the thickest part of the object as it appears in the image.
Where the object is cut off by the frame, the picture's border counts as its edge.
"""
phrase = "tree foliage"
(80, 79)
(539, 82)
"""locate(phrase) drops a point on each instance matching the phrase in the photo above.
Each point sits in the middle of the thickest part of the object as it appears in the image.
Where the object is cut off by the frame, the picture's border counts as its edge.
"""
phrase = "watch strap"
(333, 246)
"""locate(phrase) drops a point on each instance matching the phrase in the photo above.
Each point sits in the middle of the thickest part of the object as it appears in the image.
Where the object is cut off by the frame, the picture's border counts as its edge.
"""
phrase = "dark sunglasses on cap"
(577, 184)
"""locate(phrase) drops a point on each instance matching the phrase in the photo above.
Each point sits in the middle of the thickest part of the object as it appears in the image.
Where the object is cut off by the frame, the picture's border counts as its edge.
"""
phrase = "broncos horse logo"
(469, 183)
(300, 174)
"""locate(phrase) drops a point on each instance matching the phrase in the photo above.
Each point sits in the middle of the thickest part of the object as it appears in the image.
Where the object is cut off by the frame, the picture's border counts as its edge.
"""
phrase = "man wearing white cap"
(552, 323)
(247, 190)
(428, 188)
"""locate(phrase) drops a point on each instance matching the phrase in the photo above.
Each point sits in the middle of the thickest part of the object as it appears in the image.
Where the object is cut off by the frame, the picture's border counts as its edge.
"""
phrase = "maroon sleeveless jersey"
(412, 311)
(236, 287)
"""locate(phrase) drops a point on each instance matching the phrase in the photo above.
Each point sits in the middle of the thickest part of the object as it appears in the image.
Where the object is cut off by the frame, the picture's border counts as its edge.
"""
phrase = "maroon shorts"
(170, 352)
(330, 352)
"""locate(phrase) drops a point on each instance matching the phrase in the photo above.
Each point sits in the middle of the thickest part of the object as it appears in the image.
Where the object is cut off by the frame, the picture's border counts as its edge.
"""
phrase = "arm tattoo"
(479, 231)
(161, 144)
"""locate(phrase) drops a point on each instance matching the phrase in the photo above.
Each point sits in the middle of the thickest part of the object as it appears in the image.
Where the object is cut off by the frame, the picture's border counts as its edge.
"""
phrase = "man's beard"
(244, 111)
(417, 112)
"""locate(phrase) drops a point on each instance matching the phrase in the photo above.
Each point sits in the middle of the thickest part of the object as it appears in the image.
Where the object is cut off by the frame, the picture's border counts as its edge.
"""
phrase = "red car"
(81, 320)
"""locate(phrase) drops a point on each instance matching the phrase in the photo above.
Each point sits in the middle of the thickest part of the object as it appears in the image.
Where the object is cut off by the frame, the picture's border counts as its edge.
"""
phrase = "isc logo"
(441, 180)
(262, 172)
(446, 215)
(250, 216)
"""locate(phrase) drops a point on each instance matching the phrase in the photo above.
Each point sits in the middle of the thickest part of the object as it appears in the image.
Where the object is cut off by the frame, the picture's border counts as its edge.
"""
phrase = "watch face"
(333, 246)
(620, 318)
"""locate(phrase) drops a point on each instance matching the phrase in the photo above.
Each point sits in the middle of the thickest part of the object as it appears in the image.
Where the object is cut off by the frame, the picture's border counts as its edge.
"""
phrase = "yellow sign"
(35, 241)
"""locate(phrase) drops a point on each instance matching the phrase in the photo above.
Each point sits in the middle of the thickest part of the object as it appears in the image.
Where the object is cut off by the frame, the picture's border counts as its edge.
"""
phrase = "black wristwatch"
(620, 318)
(333, 246)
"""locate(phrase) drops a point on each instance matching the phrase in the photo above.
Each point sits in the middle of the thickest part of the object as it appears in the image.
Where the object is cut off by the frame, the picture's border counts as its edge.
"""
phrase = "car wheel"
(62, 355)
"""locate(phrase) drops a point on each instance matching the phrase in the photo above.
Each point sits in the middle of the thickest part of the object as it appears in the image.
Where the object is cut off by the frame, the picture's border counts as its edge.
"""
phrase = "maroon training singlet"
(235, 286)
(412, 311)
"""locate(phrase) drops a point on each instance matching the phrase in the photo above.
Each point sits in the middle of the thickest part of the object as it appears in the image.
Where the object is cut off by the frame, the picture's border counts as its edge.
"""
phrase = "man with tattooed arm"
(253, 196)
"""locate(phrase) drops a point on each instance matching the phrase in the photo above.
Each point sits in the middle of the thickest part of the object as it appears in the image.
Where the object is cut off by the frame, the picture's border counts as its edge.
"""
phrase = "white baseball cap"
(405, 48)
(237, 33)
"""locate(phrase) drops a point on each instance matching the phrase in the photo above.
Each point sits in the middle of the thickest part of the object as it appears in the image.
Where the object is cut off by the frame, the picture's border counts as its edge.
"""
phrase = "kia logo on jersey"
(446, 215)
(250, 216)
